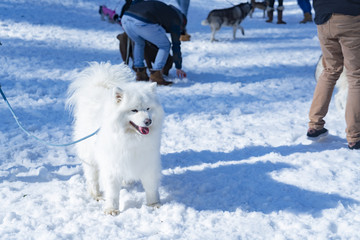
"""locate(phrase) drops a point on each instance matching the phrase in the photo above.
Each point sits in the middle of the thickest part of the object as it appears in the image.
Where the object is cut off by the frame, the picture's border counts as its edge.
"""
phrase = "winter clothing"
(151, 20)
(325, 9)
(156, 76)
(354, 145)
(184, 6)
(307, 18)
(150, 52)
(270, 14)
(141, 74)
(270, 11)
(306, 8)
(279, 16)
(305, 5)
(340, 44)
(313, 133)
(139, 32)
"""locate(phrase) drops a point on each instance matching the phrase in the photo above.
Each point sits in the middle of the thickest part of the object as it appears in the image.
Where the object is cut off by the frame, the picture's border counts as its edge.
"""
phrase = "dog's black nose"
(148, 122)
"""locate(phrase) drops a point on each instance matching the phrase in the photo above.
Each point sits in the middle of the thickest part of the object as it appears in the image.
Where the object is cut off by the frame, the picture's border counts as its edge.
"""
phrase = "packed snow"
(235, 157)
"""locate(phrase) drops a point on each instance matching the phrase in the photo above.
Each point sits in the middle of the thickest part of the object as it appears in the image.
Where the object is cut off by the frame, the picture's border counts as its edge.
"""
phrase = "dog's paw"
(112, 211)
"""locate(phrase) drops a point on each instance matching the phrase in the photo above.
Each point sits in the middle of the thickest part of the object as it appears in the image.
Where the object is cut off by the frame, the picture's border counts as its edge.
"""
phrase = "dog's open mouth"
(141, 130)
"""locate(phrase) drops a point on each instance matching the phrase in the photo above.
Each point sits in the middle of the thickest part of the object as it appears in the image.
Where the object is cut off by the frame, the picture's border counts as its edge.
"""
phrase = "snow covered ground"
(236, 162)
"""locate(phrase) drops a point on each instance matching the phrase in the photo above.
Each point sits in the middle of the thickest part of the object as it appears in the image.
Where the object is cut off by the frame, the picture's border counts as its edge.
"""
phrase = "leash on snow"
(36, 138)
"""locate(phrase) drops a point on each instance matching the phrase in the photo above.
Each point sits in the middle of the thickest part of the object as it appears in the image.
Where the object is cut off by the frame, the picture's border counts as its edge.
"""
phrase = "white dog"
(127, 146)
(341, 85)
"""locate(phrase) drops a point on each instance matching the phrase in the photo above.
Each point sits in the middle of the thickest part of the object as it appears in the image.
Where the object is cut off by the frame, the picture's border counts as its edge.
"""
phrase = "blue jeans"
(305, 5)
(139, 32)
(184, 6)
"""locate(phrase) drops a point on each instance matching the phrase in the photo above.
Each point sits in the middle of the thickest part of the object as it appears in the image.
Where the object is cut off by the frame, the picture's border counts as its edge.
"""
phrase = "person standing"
(270, 11)
(306, 8)
(338, 25)
(150, 21)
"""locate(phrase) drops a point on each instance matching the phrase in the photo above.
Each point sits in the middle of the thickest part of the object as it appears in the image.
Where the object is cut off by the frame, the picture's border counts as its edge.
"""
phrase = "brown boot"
(280, 15)
(270, 14)
(307, 18)
(141, 74)
(156, 76)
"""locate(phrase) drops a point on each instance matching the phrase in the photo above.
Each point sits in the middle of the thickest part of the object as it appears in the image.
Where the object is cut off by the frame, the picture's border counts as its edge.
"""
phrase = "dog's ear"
(153, 86)
(118, 94)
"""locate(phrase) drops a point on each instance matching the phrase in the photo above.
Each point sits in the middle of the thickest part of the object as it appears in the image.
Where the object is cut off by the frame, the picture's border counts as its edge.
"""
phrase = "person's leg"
(184, 6)
(155, 34)
(271, 3)
(301, 5)
(349, 32)
(307, 6)
(333, 65)
(131, 27)
(280, 10)
(270, 11)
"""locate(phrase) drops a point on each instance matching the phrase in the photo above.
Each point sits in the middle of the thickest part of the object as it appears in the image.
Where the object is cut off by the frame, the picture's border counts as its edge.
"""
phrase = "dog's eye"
(134, 110)
(147, 109)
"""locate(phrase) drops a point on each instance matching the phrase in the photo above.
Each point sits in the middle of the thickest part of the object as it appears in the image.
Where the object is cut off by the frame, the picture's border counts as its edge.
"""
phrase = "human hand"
(180, 73)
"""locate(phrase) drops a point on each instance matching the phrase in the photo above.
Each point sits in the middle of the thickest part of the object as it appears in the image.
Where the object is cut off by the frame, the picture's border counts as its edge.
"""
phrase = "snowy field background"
(236, 162)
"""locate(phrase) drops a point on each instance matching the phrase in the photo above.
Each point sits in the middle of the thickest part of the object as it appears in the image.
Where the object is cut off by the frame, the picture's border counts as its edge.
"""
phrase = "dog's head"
(138, 109)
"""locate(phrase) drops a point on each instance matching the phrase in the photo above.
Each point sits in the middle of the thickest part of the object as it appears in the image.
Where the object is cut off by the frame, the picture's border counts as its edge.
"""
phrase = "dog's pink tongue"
(144, 130)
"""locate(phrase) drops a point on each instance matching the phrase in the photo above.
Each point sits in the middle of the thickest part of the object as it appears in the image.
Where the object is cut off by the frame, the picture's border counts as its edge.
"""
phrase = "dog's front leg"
(91, 173)
(112, 193)
(150, 185)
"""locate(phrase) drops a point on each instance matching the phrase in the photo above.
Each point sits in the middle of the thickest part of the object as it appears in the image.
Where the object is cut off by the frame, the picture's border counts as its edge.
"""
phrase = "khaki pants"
(340, 44)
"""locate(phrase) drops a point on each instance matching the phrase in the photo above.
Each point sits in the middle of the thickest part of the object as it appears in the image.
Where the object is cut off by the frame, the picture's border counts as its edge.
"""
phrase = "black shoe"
(354, 145)
(313, 133)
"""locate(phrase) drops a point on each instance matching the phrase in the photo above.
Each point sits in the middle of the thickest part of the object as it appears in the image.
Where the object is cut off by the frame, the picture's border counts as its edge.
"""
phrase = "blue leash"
(36, 138)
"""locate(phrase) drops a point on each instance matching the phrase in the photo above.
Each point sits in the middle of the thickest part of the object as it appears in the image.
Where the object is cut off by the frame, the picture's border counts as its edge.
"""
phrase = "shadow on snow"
(248, 186)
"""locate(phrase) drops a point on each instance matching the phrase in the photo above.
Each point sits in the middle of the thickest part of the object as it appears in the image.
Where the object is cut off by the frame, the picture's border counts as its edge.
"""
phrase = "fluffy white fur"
(341, 86)
(127, 147)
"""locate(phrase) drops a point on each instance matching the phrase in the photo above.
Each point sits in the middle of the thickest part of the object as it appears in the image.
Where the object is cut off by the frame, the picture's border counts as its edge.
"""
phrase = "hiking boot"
(280, 16)
(315, 134)
(270, 14)
(156, 76)
(354, 145)
(141, 74)
(307, 18)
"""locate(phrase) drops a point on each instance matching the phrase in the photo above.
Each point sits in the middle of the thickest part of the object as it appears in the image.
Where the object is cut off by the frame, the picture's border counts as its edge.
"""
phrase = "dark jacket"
(167, 16)
(325, 8)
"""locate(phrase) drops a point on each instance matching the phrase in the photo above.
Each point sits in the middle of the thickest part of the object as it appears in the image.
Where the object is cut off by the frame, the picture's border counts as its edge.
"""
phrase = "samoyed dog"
(341, 86)
(127, 146)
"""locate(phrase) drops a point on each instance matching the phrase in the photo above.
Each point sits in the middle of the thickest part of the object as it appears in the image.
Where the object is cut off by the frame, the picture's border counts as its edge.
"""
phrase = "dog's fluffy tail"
(96, 78)
(205, 22)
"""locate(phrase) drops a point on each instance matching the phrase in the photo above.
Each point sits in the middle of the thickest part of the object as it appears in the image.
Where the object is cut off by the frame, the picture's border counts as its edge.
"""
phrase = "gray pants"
(340, 44)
